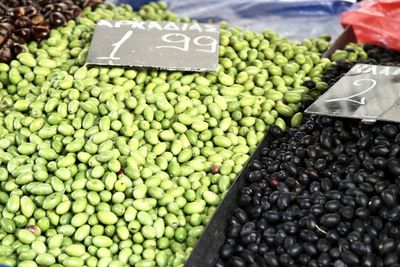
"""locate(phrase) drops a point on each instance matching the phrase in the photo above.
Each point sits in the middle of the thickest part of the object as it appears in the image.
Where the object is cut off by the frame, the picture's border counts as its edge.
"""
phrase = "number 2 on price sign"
(361, 82)
(184, 41)
(117, 46)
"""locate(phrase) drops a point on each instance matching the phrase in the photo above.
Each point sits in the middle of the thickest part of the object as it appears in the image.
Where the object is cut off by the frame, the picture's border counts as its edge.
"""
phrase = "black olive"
(368, 261)
(280, 238)
(272, 217)
(362, 212)
(233, 231)
(294, 249)
(236, 262)
(394, 151)
(323, 245)
(389, 130)
(317, 209)
(379, 150)
(333, 236)
(364, 142)
(359, 248)
(330, 220)
(271, 259)
(247, 256)
(386, 246)
(241, 215)
(391, 259)
(324, 260)
(388, 198)
(226, 251)
(283, 201)
(219, 263)
(244, 200)
(393, 166)
(350, 258)
(275, 131)
(310, 249)
(310, 84)
(334, 253)
(333, 194)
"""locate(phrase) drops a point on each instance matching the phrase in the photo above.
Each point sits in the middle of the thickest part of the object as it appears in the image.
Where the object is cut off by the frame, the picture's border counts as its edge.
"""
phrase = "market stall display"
(111, 166)
(125, 167)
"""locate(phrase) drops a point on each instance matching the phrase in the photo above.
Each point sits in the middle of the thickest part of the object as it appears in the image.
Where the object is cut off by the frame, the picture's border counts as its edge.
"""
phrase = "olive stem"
(321, 230)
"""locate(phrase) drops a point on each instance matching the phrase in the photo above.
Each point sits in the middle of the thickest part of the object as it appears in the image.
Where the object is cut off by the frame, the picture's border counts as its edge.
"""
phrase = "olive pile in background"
(382, 55)
(325, 194)
(124, 167)
(354, 53)
(25, 20)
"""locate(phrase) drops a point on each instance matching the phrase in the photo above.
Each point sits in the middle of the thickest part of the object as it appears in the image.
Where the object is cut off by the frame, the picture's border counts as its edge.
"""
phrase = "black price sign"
(162, 45)
(367, 92)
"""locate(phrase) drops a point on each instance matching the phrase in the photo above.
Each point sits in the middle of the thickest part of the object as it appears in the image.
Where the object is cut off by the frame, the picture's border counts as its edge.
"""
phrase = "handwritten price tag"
(367, 92)
(162, 45)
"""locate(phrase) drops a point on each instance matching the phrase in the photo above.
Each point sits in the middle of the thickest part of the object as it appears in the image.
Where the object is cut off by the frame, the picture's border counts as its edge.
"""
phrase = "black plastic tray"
(205, 253)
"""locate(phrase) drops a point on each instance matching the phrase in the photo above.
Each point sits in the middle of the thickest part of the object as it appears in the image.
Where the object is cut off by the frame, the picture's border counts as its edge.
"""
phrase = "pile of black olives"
(381, 55)
(25, 20)
(325, 194)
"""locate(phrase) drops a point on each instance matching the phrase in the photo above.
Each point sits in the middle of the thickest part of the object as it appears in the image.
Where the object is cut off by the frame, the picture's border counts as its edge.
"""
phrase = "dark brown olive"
(2, 39)
(76, 11)
(18, 48)
(5, 54)
(215, 168)
(30, 11)
(7, 27)
(40, 32)
(22, 22)
(19, 11)
(37, 20)
(16, 39)
(57, 19)
(59, 7)
(24, 33)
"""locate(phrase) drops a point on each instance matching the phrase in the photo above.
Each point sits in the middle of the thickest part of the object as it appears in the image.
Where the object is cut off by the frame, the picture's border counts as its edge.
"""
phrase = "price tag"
(162, 45)
(366, 92)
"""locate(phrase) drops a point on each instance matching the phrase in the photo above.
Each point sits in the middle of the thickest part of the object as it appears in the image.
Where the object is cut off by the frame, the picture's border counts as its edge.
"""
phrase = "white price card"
(366, 92)
(152, 44)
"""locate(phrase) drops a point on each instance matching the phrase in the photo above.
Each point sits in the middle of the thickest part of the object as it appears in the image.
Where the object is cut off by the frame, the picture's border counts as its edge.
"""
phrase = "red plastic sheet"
(377, 22)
